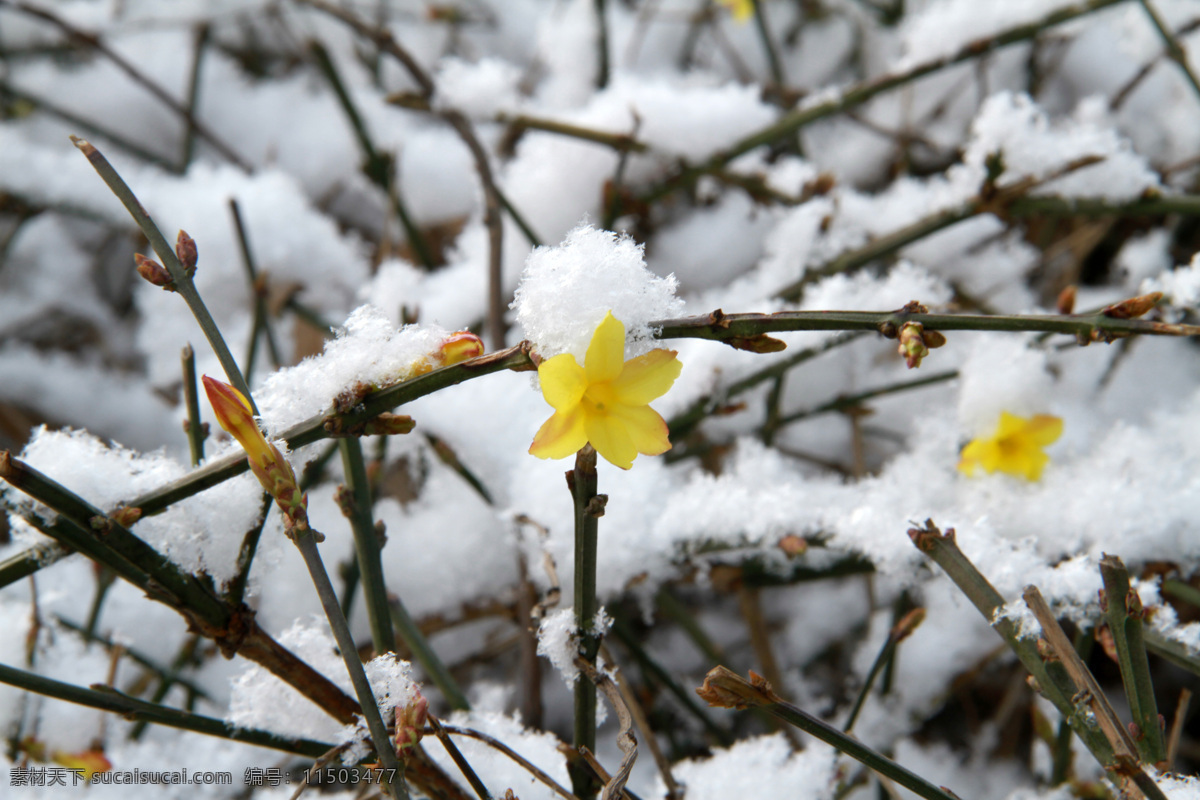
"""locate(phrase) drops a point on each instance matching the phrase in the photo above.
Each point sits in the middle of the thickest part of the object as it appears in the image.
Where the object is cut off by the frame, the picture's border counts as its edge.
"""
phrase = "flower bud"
(154, 272)
(1134, 307)
(266, 462)
(1066, 300)
(458, 346)
(410, 724)
(912, 344)
(185, 251)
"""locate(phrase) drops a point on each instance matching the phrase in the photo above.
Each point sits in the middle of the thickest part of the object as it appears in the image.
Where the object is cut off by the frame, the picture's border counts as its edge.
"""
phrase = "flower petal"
(1044, 429)
(563, 381)
(606, 353)
(645, 426)
(1029, 461)
(609, 436)
(560, 436)
(646, 377)
(979, 453)
(234, 415)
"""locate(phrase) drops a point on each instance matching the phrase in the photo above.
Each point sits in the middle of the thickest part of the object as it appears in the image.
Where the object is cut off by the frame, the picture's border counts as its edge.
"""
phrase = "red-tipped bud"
(1134, 307)
(907, 624)
(1066, 300)
(185, 251)
(126, 515)
(154, 272)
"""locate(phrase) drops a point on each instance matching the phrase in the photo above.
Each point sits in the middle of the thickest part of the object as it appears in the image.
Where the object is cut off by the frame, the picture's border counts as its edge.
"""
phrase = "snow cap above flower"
(565, 292)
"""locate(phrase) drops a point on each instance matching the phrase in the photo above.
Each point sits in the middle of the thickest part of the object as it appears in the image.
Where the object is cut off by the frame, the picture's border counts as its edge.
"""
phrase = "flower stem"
(1125, 623)
(166, 254)
(589, 506)
(306, 541)
(356, 505)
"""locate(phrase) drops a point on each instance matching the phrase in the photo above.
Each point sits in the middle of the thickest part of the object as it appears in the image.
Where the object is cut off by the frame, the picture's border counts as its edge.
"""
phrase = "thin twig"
(93, 41)
(196, 430)
(258, 286)
(182, 281)
(1124, 612)
(860, 93)
(354, 498)
(724, 688)
(305, 540)
(528, 765)
(107, 699)
(1175, 49)
(457, 757)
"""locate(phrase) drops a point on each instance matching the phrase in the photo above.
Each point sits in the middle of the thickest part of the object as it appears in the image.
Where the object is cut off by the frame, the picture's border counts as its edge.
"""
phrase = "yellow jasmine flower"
(87, 763)
(1015, 447)
(266, 462)
(606, 401)
(742, 10)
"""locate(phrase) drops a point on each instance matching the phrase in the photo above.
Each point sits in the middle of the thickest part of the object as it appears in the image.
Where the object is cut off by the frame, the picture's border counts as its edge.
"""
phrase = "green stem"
(459, 760)
(683, 617)
(104, 581)
(166, 254)
(110, 543)
(89, 127)
(602, 56)
(108, 699)
(1125, 623)
(262, 318)
(377, 166)
(768, 43)
(196, 430)
(652, 668)
(356, 504)
(186, 655)
(882, 657)
(617, 141)
(760, 695)
(745, 330)
(1053, 684)
(589, 507)
(313, 429)
(29, 561)
(684, 422)
(306, 541)
(1175, 50)
(862, 92)
(410, 634)
(193, 95)
(236, 591)
(854, 400)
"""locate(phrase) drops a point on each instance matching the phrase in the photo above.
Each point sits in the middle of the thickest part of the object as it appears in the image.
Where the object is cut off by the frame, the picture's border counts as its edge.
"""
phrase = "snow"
(565, 291)
(90, 378)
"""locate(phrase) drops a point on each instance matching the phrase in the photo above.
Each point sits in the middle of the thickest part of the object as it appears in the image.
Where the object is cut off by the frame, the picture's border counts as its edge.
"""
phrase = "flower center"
(599, 397)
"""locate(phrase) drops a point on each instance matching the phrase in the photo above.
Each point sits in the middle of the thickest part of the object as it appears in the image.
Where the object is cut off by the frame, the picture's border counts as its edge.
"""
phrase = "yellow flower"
(606, 401)
(87, 763)
(1015, 447)
(742, 10)
(273, 471)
